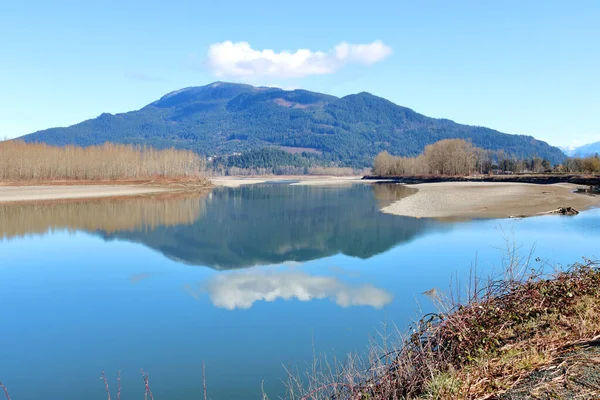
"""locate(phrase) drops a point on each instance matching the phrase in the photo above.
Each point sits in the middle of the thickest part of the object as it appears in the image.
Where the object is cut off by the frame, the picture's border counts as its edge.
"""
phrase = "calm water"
(243, 279)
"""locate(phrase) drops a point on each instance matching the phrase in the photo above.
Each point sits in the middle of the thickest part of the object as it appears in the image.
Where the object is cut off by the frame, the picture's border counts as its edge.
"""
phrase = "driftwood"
(560, 211)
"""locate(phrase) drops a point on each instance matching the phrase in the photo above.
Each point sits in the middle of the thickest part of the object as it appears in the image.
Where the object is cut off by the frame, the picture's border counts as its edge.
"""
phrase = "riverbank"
(453, 199)
(489, 200)
(26, 191)
(526, 334)
(312, 180)
(43, 193)
(42, 190)
(539, 179)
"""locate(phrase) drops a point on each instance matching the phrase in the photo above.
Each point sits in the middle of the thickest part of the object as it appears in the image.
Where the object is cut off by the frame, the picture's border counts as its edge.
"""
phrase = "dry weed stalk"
(204, 380)
(5, 391)
(119, 385)
(147, 392)
(103, 377)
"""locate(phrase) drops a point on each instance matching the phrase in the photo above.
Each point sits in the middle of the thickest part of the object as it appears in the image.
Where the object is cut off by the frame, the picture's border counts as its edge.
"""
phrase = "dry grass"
(480, 344)
(109, 215)
(20, 161)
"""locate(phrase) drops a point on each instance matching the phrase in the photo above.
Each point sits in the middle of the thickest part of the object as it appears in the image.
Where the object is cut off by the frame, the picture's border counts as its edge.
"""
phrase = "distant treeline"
(460, 157)
(589, 164)
(33, 161)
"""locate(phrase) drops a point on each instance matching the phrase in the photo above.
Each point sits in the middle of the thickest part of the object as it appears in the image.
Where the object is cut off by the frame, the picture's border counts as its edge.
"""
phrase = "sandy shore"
(332, 180)
(58, 192)
(233, 181)
(488, 200)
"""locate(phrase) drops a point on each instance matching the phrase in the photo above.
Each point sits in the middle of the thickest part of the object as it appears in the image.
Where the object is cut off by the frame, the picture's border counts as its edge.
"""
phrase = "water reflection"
(139, 214)
(235, 227)
(272, 224)
(387, 193)
(242, 289)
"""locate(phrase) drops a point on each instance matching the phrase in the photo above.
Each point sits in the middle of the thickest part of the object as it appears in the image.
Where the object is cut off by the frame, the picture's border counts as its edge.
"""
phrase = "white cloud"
(240, 60)
(243, 289)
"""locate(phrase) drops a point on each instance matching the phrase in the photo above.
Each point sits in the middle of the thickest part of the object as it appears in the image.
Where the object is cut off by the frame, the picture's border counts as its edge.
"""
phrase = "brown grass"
(20, 161)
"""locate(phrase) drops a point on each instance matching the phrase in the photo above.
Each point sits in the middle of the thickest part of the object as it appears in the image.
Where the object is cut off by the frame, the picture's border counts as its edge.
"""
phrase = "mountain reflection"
(235, 227)
(240, 290)
(272, 224)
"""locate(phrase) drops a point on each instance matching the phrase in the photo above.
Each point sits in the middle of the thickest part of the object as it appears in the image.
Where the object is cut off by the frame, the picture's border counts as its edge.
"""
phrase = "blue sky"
(527, 67)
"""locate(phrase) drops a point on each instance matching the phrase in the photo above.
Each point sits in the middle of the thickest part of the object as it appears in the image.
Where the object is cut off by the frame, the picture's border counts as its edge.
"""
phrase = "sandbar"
(489, 200)
(312, 180)
(61, 192)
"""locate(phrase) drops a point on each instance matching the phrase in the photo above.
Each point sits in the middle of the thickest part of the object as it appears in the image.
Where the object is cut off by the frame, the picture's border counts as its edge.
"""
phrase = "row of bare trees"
(34, 161)
(589, 164)
(446, 157)
(459, 157)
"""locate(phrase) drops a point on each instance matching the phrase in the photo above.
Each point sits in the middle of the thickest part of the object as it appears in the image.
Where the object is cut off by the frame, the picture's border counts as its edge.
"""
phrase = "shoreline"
(539, 179)
(441, 200)
(489, 200)
(50, 190)
(40, 193)
(303, 180)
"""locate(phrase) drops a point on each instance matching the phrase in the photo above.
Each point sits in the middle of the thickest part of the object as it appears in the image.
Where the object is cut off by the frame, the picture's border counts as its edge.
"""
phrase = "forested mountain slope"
(225, 118)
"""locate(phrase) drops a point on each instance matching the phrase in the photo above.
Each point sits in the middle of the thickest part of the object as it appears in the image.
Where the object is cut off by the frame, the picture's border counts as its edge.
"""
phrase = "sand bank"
(232, 181)
(488, 200)
(313, 180)
(61, 192)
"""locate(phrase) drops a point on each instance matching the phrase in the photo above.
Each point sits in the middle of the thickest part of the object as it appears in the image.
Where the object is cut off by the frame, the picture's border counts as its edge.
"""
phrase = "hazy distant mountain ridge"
(223, 118)
(581, 151)
(588, 149)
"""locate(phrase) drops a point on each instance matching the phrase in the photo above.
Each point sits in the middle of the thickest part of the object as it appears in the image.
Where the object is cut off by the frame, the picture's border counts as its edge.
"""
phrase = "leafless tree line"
(582, 164)
(459, 157)
(36, 161)
(446, 157)
(456, 157)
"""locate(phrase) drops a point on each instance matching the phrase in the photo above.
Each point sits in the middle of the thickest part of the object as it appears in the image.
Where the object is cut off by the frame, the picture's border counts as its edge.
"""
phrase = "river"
(243, 280)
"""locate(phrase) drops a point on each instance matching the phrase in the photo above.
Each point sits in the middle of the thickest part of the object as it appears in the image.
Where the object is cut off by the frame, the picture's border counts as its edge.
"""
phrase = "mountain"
(225, 118)
(587, 150)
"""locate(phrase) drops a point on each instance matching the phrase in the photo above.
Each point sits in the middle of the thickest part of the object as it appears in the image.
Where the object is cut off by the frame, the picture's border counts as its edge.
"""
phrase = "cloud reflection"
(240, 290)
